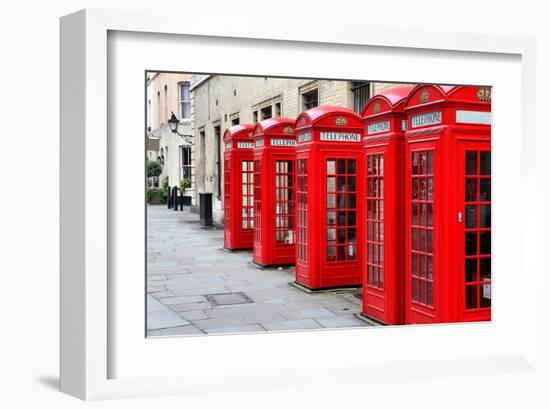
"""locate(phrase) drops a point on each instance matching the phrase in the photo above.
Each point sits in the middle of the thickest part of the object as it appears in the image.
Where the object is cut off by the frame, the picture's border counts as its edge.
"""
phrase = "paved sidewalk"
(195, 287)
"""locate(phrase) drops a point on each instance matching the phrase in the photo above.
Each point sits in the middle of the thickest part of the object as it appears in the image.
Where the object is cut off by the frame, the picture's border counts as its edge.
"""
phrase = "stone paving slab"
(187, 265)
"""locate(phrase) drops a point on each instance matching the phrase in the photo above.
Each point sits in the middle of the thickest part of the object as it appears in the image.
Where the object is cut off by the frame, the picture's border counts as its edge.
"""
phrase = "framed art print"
(246, 208)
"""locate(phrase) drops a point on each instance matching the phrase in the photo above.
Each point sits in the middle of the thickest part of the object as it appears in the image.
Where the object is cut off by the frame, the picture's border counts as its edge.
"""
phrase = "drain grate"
(229, 299)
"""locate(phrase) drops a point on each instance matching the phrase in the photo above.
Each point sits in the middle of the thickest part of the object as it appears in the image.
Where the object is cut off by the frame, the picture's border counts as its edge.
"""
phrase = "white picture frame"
(103, 352)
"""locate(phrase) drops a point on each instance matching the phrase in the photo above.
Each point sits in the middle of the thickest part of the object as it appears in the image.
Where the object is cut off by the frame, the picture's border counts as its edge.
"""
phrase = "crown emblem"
(303, 122)
(288, 130)
(484, 94)
(376, 108)
(250, 134)
(341, 121)
(424, 97)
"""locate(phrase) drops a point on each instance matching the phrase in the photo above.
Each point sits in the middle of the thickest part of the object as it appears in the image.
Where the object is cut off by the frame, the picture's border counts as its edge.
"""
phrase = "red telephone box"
(274, 167)
(328, 161)
(238, 187)
(381, 260)
(448, 204)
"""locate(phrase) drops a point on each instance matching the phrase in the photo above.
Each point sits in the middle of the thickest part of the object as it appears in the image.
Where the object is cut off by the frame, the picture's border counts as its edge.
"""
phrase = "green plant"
(154, 168)
(165, 183)
(184, 184)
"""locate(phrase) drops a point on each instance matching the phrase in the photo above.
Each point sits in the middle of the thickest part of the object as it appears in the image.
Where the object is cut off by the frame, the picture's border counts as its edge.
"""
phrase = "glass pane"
(423, 189)
(485, 166)
(369, 279)
(341, 235)
(341, 169)
(422, 160)
(485, 242)
(351, 201)
(430, 247)
(485, 268)
(415, 163)
(331, 201)
(415, 189)
(352, 219)
(471, 216)
(352, 166)
(471, 244)
(471, 269)
(415, 214)
(331, 184)
(422, 269)
(430, 189)
(351, 183)
(471, 162)
(341, 201)
(415, 289)
(331, 218)
(485, 295)
(430, 267)
(430, 300)
(381, 277)
(430, 211)
(430, 162)
(422, 291)
(485, 216)
(471, 189)
(381, 165)
(414, 233)
(415, 264)
(331, 235)
(245, 165)
(331, 253)
(485, 190)
(331, 167)
(342, 185)
(422, 240)
(471, 296)
(341, 252)
(423, 214)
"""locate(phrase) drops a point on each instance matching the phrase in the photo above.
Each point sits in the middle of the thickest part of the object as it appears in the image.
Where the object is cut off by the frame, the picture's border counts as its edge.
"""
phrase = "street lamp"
(173, 123)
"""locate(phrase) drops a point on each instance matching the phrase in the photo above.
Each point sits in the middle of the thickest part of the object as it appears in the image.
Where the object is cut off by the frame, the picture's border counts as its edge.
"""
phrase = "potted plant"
(184, 184)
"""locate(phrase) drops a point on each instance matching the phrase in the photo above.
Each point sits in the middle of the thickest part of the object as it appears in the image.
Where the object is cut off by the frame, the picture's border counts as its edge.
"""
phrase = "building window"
(361, 95)
(278, 110)
(185, 100)
(255, 117)
(266, 112)
(310, 99)
(185, 162)
(235, 121)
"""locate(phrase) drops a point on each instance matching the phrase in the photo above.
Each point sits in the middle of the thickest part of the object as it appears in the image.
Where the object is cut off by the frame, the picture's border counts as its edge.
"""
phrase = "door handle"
(460, 217)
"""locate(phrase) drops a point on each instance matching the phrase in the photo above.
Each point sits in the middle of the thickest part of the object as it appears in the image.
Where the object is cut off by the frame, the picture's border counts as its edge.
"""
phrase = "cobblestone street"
(195, 287)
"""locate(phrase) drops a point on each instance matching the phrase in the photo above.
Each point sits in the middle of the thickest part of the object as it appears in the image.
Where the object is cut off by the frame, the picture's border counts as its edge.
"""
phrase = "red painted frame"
(383, 277)
(275, 142)
(319, 133)
(447, 121)
(239, 145)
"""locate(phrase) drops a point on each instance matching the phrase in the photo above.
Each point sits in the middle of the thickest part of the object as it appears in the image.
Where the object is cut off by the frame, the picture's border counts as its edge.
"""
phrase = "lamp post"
(173, 123)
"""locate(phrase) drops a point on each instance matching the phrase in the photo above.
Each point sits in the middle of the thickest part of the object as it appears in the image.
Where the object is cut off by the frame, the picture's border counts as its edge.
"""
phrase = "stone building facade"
(220, 102)
(167, 93)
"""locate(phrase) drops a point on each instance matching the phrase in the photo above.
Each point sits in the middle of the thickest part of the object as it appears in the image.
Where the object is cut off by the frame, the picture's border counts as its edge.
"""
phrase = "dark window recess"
(361, 95)
(311, 99)
(235, 121)
(266, 113)
(255, 117)
(278, 109)
(186, 170)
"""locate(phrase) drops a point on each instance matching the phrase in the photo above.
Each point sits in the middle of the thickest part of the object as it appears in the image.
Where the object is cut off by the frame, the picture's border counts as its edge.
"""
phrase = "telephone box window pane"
(430, 162)
(352, 183)
(471, 163)
(331, 253)
(331, 236)
(331, 201)
(331, 167)
(430, 189)
(430, 268)
(430, 241)
(430, 300)
(485, 216)
(471, 189)
(485, 295)
(351, 218)
(414, 233)
(341, 201)
(341, 166)
(422, 163)
(471, 296)
(485, 165)
(415, 163)
(415, 289)
(341, 235)
(352, 166)
(422, 240)
(415, 214)
(471, 216)
(415, 189)
(331, 218)
(341, 253)
(422, 291)
(331, 184)
(485, 268)
(422, 268)
(485, 242)
(430, 211)
(471, 270)
(485, 190)
(471, 244)
(352, 202)
(423, 214)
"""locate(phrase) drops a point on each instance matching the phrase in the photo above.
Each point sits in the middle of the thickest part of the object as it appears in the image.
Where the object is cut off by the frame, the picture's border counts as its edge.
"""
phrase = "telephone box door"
(474, 231)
